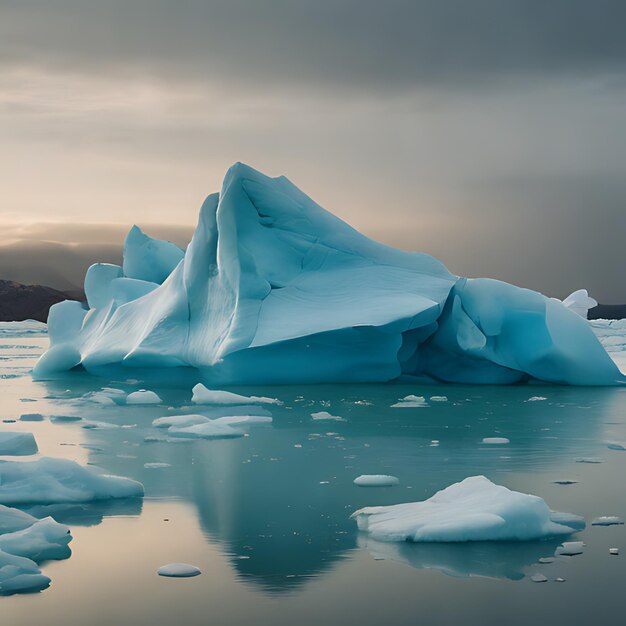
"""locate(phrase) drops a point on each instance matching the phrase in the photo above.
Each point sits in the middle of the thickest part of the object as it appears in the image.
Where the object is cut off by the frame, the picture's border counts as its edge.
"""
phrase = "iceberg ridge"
(274, 289)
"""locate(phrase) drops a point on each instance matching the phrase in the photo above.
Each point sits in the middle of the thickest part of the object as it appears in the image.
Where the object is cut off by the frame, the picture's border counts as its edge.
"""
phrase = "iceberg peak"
(275, 289)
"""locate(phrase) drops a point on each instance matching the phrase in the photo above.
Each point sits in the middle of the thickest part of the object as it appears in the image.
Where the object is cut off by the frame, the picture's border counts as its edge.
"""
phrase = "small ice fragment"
(325, 415)
(559, 580)
(143, 397)
(156, 465)
(570, 548)
(546, 559)
(615, 445)
(614, 551)
(438, 398)
(95, 425)
(495, 440)
(17, 444)
(607, 520)
(31, 417)
(208, 430)
(410, 401)
(65, 418)
(179, 421)
(590, 460)
(536, 399)
(178, 570)
(203, 395)
(376, 480)
(538, 578)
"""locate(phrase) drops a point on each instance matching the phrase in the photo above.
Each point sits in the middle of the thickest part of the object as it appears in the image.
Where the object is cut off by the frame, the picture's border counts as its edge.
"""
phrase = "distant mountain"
(608, 312)
(22, 302)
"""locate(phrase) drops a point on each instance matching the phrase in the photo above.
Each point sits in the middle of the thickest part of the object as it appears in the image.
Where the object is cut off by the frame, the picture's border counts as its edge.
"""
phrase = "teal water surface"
(266, 517)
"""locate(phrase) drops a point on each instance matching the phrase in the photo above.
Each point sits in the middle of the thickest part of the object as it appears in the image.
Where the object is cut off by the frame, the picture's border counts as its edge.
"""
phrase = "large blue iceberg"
(274, 289)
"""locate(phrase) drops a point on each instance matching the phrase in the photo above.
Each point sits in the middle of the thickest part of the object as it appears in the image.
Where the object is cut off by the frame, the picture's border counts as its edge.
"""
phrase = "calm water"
(266, 517)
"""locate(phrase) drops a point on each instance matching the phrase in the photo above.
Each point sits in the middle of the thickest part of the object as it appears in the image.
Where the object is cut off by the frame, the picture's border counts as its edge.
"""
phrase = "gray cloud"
(339, 43)
(489, 133)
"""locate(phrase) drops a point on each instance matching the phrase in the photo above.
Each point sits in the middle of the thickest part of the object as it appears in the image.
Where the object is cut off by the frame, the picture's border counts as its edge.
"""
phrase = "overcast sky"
(491, 134)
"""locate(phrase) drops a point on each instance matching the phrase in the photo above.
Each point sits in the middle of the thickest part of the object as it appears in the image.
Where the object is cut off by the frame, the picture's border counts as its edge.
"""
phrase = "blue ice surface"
(274, 289)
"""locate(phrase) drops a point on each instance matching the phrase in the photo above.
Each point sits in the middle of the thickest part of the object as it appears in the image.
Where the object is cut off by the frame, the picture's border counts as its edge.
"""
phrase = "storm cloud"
(489, 133)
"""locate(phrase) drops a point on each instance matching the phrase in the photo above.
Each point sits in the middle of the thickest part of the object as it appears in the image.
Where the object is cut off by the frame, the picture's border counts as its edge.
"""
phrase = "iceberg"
(50, 481)
(273, 289)
(473, 510)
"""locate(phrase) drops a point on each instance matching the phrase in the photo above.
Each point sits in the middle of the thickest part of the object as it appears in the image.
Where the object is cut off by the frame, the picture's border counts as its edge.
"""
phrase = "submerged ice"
(274, 289)
(473, 510)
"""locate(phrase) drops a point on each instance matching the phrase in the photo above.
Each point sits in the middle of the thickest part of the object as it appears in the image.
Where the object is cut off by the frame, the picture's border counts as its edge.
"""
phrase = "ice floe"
(570, 548)
(143, 397)
(49, 480)
(325, 415)
(493, 441)
(607, 520)
(473, 510)
(17, 444)
(203, 395)
(410, 402)
(376, 480)
(178, 570)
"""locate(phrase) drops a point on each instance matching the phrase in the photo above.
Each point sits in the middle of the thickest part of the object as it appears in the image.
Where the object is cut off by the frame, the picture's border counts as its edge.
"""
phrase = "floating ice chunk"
(209, 430)
(113, 392)
(149, 259)
(156, 465)
(376, 480)
(96, 425)
(538, 578)
(575, 522)
(580, 302)
(492, 441)
(65, 418)
(536, 399)
(48, 481)
(202, 395)
(614, 551)
(438, 398)
(570, 548)
(244, 420)
(409, 402)
(44, 540)
(178, 570)
(31, 417)
(590, 460)
(17, 444)
(100, 398)
(325, 415)
(546, 559)
(143, 397)
(559, 579)
(179, 421)
(13, 519)
(473, 510)
(20, 575)
(615, 445)
(607, 520)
